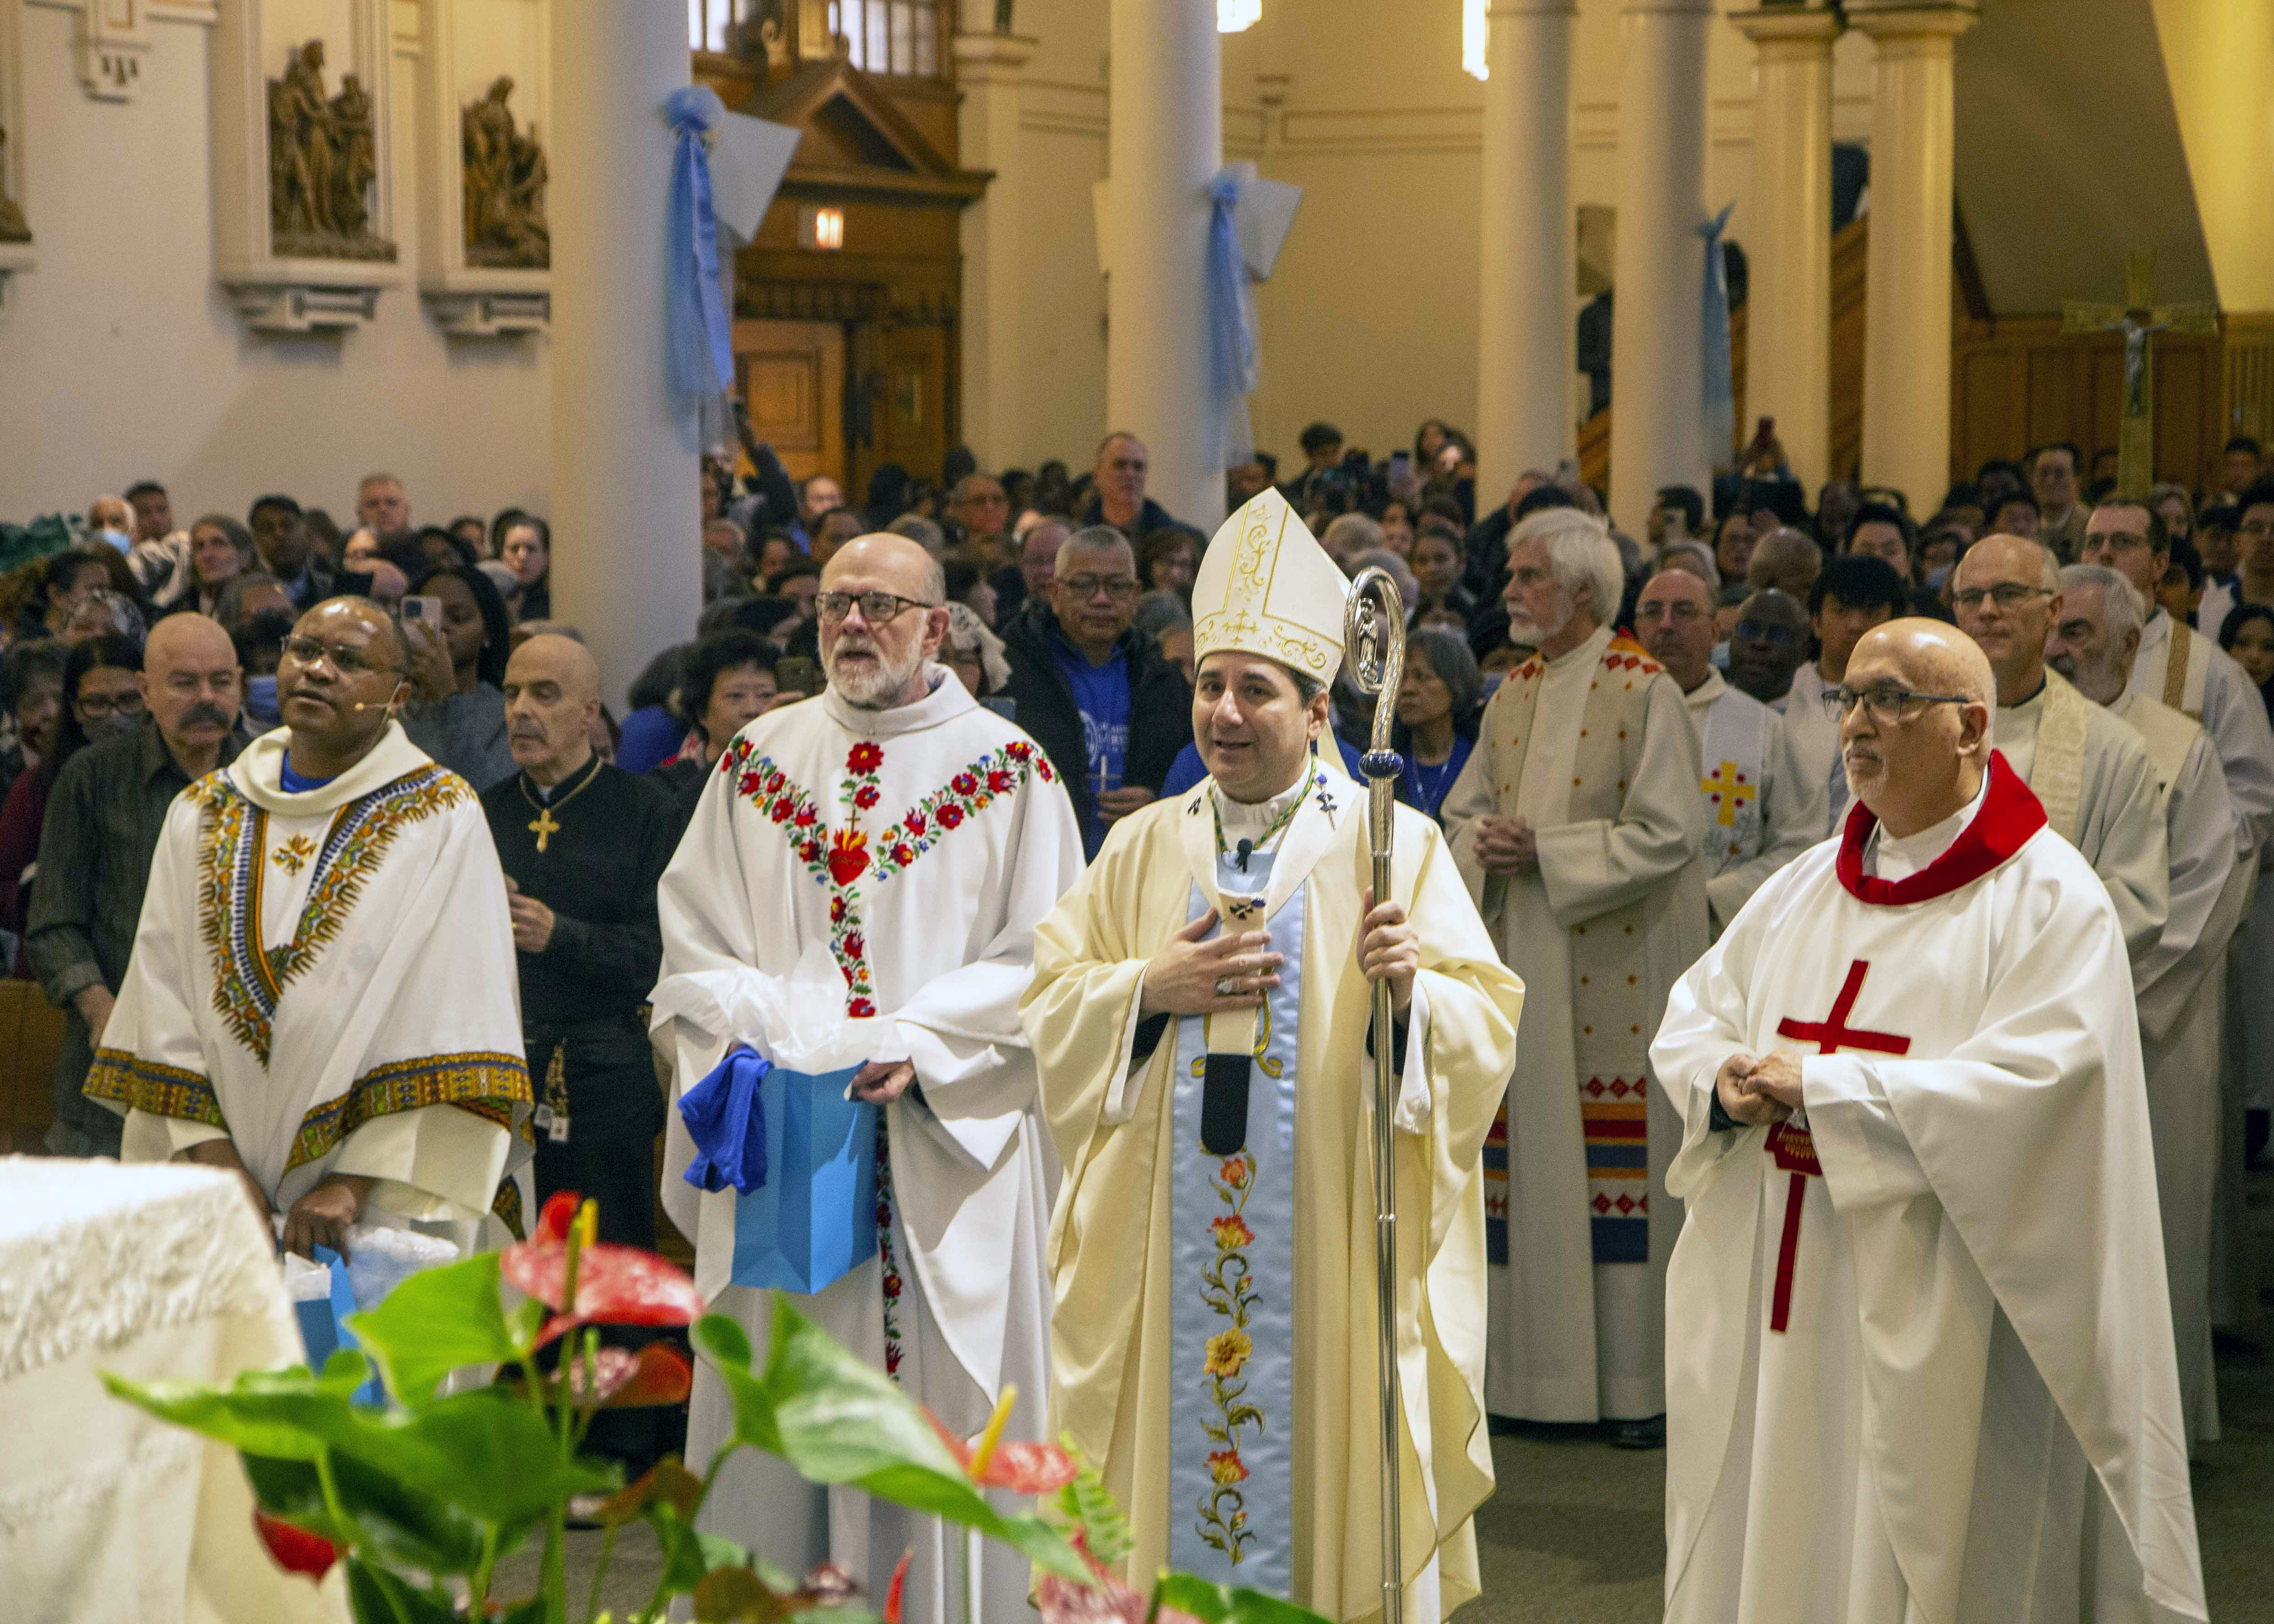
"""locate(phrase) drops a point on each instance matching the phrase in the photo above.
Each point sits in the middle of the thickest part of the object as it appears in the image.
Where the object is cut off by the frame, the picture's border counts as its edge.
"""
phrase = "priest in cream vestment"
(1924, 1369)
(1579, 827)
(1199, 1013)
(2180, 986)
(2087, 769)
(323, 994)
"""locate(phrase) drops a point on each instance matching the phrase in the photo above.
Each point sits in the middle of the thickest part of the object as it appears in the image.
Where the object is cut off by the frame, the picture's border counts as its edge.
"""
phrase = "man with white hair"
(2180, 986)
(911, 839)
(1579, 826)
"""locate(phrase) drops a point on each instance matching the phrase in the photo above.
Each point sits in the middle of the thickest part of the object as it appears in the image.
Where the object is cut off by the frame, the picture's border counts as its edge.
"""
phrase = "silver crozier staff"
(1374, 631)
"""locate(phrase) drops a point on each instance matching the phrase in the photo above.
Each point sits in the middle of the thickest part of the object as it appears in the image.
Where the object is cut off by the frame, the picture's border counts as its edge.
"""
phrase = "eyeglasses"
(349, 662)
(1121, 589)
(875, 607)
(1669, 612)
(2006, 595)
(1888, 705)
(1776, 637)
(94, 706)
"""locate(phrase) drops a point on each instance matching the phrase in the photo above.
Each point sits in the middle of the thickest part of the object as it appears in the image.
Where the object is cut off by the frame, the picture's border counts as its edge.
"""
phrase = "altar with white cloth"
(152, 1272)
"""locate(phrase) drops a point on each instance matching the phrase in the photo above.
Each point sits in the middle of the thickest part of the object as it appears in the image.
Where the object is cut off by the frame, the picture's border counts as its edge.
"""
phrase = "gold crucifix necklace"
(545, 828)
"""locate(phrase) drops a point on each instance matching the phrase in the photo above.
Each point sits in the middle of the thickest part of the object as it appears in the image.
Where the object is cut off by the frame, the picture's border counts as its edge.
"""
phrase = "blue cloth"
(323, 1323)
(1186, 770)
(295, 785)
(1423, 788)
(1101, 693)
(700, 343)
(260, 700)
(652, 737)
(1719, 404)
(728, 1130)
(1230, 304)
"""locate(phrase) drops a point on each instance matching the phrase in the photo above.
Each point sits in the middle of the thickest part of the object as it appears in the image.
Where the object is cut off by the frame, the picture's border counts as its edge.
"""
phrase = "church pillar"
(1658, 390)
(987, 67)
(1528, 260)
(1907, 317)
(1788, 350)
(1165, 142)
(626, 555)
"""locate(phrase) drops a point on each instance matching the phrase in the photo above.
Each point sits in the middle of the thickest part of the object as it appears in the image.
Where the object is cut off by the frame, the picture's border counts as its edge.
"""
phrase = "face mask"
(260, 700)
(102, 727)
(1936, 576)
(123, 543)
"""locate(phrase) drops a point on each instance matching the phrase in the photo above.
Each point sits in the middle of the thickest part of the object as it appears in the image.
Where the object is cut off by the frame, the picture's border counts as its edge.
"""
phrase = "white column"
(627, 552)
(1907, 318)
(1528, 265)
(1165, 141)
(1658, 407)
(1789, 346)
(987, 68)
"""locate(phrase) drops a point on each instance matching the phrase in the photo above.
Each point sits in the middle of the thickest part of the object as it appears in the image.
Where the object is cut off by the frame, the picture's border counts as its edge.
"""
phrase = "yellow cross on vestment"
(1728, 789)
(544, 828)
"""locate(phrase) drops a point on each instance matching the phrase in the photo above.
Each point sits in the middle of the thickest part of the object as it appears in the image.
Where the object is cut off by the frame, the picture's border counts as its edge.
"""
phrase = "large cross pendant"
(1794, 1151)
(544, 828)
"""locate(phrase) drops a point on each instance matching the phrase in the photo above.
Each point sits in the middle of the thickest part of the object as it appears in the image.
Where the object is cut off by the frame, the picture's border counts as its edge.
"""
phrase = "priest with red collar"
(1925, 1366)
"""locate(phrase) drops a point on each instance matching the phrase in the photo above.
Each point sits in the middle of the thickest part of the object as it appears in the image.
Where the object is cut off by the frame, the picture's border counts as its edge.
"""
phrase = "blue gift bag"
(807, 1217)
(323, 1327)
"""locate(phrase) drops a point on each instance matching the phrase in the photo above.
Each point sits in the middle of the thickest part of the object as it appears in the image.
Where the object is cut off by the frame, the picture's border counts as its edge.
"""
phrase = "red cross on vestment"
(1791, 1147)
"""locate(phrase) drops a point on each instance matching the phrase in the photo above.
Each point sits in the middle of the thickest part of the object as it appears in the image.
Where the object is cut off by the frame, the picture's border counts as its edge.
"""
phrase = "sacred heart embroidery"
(848, 855)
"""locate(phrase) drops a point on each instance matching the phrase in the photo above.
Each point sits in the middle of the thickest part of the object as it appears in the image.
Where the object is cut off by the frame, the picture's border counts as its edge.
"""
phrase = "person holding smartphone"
(459, 634)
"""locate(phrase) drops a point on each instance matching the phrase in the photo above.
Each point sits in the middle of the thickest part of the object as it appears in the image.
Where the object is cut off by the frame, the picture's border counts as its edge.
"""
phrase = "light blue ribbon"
(1231, 302)
(702, 353)
(1720, 396)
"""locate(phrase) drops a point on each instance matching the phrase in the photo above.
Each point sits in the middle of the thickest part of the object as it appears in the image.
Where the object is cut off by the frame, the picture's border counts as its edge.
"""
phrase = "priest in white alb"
(2181, 985)
(2089, 771)
(1924, 1369)
(323, 996)
(917, 839)
(1200, 1016)
(1763, 806)
(1579, 826)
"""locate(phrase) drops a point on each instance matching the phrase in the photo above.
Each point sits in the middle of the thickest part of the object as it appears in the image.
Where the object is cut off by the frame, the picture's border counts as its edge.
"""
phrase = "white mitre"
(1266, 587)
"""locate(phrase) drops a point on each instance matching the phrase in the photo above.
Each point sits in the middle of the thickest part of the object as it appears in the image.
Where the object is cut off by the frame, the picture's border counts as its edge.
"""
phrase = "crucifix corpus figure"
(2138, 319)
(1920, 1272)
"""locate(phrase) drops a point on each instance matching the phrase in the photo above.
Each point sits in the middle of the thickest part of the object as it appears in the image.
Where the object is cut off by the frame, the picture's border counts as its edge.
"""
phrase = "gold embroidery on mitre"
(1266, 587)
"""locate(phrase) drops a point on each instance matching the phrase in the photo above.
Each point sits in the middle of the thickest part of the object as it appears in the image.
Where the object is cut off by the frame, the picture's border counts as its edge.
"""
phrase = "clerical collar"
(568, 785)
(2005, 817)
(1892, 857)
(1250, 818)
(948, 699)
(2023, 704)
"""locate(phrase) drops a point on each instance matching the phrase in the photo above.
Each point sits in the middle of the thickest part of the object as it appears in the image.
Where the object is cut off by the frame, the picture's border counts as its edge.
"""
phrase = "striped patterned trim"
(1615, 1117)
(485, 1083)
(147, 1085)
(507, 1205)
(1495, 1172)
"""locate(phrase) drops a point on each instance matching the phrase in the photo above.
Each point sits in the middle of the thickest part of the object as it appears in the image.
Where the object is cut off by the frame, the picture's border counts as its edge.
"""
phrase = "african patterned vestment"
(327, 979)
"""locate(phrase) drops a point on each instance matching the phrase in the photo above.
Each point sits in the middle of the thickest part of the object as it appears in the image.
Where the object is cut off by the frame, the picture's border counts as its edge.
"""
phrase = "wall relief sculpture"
(323, 160)
(13, 227)
(504, 179)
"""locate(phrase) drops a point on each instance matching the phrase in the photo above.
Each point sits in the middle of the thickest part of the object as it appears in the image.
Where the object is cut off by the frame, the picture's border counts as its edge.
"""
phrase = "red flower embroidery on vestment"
(914, 823)
(780, 811)
(837, 910)
(865, 796)
(999, 782)
(856, 945)
(806, 816)
(963, 783)
(949, 816)
(859, 1009)
(865, 757)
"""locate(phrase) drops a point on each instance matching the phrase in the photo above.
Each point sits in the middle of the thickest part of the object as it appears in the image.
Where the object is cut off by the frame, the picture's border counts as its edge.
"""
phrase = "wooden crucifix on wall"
(2138, 319)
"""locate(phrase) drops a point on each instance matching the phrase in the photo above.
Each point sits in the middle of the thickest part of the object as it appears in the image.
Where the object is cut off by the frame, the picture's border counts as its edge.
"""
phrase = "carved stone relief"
(323, 159)
(13, 227)
(505, 180)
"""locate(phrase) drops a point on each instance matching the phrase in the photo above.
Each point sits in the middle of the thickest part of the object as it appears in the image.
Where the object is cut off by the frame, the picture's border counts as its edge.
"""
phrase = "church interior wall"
(125, 359)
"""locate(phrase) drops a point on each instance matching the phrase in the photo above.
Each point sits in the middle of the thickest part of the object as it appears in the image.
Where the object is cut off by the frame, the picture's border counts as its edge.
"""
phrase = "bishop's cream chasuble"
(918, 846)
(2092, 776)
(327, 980)
(1216, 1297)
(1762, 809)
(1594, 748)
(1924, 1370)
(2181, 989)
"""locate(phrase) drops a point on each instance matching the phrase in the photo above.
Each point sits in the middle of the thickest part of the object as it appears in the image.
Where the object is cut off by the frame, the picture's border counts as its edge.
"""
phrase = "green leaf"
(1216, 1603)
(689, 1554)
(286, 1415)
(736, 1596)
(721, 1342)
(1088, 1506)
(406, 1529)
(435, 1321)
(382, 1597)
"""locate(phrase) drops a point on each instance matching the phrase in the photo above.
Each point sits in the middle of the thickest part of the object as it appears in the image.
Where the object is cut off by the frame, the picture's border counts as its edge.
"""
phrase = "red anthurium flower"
(295, 1549)
(616, 1285)
(1023, 1469)
(892, 1591)
(656, 1374)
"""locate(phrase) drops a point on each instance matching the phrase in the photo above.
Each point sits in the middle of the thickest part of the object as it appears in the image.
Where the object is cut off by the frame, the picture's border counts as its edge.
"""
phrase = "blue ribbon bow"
(724, 1119)
(1232, 301)
(1720, 396)
(701, 344)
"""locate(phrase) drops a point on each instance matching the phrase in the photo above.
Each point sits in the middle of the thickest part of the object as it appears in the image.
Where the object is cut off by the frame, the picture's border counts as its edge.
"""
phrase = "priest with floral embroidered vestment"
(1199, 1014)
(322, 994)
(1925, 1367)
(913, 839)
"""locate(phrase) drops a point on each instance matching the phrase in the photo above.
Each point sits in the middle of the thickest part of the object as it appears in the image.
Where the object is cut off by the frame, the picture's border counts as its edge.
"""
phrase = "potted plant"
(422, 1497)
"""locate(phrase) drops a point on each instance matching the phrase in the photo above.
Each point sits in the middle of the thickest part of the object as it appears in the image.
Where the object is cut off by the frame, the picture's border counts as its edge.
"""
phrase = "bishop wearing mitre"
(1926, 1366)
(1199, 1014)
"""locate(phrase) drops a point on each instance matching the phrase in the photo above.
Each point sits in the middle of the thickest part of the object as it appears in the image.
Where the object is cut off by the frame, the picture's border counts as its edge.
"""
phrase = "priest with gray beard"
(2180, 985)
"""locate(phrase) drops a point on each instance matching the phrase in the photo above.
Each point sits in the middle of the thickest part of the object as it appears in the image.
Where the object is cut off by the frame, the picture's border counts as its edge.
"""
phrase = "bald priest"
(1927, 1369)
(1199, 1014)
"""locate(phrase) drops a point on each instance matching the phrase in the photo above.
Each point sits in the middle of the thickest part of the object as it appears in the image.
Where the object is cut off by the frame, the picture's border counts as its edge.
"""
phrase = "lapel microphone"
(1244, 851)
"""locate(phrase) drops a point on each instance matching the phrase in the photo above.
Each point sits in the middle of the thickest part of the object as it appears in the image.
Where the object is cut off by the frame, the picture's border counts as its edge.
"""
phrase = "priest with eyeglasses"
(1925, 1367)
